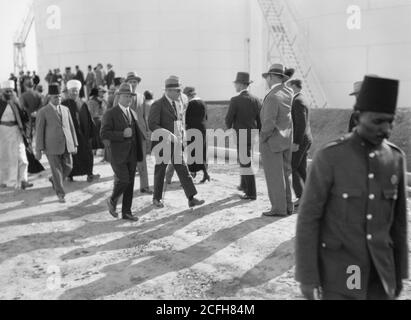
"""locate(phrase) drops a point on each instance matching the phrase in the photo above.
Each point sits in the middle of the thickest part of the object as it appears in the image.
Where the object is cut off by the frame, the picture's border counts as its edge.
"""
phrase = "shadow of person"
(163, 227)
(125, 275)
(275, 265)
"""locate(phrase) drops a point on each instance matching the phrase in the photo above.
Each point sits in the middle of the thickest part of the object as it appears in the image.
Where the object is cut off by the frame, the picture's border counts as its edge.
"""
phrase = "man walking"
(303, 139)
(351, 238)
(138, 107)
(276, 142)
(56, 138)
(165, 120)
(119, 126)
(244, 115)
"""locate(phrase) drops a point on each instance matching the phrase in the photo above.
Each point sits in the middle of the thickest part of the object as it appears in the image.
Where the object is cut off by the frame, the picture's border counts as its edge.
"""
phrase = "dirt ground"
(222, 250)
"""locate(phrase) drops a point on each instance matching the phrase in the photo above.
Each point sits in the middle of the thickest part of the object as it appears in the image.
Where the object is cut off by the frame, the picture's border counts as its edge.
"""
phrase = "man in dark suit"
(303, 138)
(165, 121)
(351, 238)
(244, 116)
(119, 126)
(56, 137)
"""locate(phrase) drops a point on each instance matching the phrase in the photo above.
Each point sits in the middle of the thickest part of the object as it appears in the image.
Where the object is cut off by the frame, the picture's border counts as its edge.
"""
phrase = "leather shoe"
(61, 199)
(130, 217)
(274, 214)
(112, 208)
(195, 202)
(240, 188)
(25, 185)
(248, 198)
(158, 204)
(147, 191)
(93, 177)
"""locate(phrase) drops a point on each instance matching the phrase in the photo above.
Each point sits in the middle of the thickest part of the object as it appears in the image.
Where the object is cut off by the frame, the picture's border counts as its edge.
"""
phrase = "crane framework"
(20, 63)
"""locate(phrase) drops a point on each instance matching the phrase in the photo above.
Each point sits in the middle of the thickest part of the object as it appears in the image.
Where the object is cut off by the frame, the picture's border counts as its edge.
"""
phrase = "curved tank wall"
(207, 42)
(341, 56)
(203, 42)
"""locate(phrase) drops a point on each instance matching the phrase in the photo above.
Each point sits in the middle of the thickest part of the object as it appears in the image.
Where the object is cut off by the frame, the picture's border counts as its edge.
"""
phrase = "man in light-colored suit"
(56, 138)
(276, 141)
(138, 107)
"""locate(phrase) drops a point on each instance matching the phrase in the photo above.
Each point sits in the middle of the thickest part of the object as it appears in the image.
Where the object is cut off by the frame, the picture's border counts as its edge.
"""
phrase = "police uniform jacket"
(353, 215)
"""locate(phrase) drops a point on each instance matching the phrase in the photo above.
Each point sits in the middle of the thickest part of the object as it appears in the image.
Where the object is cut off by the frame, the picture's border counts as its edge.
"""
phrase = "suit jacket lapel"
(54, 111)
(170, 107)
(122, 116)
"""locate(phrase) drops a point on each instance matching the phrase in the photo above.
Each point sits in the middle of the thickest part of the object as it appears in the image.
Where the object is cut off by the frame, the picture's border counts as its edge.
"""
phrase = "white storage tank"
(203, 42)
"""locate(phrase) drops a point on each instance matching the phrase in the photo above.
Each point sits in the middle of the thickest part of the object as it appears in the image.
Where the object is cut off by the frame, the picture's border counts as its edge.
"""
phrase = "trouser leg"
(129, 190)
(159, 175)
(56, 167)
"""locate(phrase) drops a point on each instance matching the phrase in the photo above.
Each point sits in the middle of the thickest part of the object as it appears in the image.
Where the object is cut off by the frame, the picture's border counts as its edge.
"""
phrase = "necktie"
(59, 112)
(128, 116)
(175, 108)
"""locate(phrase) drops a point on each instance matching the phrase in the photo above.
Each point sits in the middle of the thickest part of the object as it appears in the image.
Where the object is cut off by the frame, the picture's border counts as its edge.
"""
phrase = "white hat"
(72, 84)
(7, 85)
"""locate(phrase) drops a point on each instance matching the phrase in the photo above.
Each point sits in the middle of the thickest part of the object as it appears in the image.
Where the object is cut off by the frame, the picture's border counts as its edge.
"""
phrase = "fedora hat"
(278, 70)
(126, 88)
(378, 95)
(173, 82)
(133, 76)
(189, 91)
(243, 77)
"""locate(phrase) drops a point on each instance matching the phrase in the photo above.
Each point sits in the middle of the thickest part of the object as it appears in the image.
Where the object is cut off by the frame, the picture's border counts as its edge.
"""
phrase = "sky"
(13, 12)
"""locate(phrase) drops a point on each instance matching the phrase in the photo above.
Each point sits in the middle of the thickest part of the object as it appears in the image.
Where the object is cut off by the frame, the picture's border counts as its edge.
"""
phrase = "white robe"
(13, 159)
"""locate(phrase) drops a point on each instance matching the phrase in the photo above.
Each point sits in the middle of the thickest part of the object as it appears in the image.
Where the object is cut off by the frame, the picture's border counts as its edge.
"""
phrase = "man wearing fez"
(119, 126)
(165, 121)
(13, 159)
(351, 238)
(244, 115)
(276, 141)
(83, 161)
(56, 138)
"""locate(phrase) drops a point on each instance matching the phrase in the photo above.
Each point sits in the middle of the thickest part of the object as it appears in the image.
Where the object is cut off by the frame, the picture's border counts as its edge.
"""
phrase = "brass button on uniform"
(372, 155)
(369, 237)
(372, 197)
(371, 176)
(369, 217)
(345, 195)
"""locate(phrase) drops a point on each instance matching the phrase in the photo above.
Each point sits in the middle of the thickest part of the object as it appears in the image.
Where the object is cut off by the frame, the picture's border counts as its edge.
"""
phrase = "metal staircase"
(287, 41)
(20, 63)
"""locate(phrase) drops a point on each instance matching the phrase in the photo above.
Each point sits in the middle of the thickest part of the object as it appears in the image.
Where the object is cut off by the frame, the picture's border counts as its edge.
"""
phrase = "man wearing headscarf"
(83, 161)
(13, 159)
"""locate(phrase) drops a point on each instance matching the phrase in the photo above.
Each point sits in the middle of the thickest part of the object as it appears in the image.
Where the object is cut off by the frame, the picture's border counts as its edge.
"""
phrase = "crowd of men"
(352, 207)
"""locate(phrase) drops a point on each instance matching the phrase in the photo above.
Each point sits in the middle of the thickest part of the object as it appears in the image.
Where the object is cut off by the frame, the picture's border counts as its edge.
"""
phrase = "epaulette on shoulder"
(395, 147)
(335, 142)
